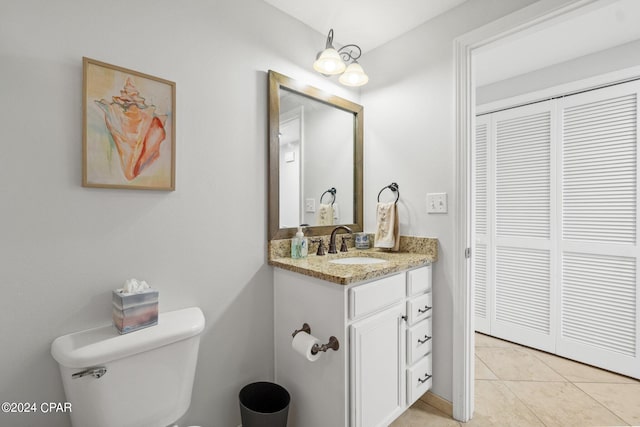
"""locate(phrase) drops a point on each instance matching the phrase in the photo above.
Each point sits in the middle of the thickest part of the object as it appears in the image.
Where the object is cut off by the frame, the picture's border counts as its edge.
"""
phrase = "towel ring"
(331, 191)
(393, 187)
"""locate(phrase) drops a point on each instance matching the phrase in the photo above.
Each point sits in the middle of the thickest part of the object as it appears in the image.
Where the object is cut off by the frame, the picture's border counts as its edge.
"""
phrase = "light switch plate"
(290, 156)
(437, 203)
(310, 205)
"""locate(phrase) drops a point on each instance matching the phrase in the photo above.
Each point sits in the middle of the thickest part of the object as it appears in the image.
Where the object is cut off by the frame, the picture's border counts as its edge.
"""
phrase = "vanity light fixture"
(330, 62)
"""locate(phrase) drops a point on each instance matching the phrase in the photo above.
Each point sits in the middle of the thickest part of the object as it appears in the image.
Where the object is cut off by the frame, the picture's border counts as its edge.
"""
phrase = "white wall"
(410, 139)
(64, 247)
(290, 176)
(602, 62)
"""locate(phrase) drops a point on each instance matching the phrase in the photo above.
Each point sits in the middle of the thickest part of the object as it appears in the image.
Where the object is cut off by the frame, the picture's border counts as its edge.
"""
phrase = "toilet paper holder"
(305, 328)
(333, 343)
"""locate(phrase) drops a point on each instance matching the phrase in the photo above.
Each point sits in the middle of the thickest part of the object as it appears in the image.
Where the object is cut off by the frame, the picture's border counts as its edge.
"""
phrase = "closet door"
(481, 226)
(598, 304)
(523, 256)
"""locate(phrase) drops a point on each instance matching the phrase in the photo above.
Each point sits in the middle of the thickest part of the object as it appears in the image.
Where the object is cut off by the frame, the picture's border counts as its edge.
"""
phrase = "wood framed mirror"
(315, 160)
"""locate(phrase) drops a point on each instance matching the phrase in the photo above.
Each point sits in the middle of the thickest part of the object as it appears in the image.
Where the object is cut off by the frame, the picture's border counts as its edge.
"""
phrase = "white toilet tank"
(141, 379)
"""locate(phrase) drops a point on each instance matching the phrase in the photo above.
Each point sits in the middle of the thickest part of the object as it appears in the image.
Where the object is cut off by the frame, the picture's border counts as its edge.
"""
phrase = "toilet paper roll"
(302, 344)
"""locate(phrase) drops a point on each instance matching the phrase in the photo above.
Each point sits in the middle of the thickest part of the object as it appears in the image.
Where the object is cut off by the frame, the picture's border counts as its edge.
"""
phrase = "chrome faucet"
(332, 241)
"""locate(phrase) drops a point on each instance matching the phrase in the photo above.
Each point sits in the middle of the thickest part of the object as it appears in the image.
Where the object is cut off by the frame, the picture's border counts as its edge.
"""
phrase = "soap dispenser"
(304, 243)
(299, 245)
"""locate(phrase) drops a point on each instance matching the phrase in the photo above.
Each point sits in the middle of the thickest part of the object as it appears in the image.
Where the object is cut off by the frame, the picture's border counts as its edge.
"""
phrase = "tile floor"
(520, 386)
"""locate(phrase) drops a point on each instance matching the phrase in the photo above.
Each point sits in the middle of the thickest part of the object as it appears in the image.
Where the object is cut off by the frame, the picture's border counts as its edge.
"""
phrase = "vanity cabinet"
(384, 361)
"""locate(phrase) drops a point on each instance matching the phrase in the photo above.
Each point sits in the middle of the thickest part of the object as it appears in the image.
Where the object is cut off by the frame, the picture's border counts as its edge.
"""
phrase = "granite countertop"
(320, 267)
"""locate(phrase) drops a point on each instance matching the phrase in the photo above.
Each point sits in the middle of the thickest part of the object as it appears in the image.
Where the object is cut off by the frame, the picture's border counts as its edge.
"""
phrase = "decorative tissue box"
(133, 311)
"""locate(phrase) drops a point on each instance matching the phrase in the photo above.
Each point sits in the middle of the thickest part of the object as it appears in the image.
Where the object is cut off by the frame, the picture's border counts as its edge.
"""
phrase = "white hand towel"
(387, 226)
(336, 214)
(325, 214)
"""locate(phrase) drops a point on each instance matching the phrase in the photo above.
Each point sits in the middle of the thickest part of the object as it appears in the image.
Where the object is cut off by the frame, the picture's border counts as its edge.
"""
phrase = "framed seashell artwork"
(128, 138)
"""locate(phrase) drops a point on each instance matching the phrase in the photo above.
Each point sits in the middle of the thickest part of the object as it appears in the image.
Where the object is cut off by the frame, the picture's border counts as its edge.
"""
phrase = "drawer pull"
(426, 338)
(426, 378)
(423, 311)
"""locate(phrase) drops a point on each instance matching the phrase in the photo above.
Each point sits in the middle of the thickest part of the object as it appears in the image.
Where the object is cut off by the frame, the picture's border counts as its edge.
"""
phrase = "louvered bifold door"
(598, 228)
(522, 256)
(481, 225)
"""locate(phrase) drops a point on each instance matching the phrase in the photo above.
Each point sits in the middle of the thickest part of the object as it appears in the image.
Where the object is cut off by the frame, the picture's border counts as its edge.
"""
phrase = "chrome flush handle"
(96, 372)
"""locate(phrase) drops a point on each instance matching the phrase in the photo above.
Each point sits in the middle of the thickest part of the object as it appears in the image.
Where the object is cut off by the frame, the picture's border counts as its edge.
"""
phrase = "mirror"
(315, 159)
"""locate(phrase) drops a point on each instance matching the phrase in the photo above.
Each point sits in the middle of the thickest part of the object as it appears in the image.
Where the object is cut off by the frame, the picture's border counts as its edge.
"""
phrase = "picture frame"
(128, 136)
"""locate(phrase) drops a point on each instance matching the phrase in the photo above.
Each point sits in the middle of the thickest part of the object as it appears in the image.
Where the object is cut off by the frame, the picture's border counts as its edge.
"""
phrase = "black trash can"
(264, 404)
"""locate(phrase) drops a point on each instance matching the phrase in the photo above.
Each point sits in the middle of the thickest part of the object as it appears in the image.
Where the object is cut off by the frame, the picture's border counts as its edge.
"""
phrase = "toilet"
(140, 379)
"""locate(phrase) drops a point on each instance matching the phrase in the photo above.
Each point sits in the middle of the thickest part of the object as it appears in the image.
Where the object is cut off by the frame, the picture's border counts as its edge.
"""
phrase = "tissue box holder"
(135, 311)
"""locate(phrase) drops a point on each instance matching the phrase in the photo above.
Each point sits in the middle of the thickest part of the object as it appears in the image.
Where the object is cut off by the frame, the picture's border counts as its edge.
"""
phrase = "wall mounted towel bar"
(393, 187)
(331, 191)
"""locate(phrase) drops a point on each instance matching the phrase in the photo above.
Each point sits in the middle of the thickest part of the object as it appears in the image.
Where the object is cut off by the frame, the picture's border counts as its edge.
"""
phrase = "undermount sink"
(357, 260)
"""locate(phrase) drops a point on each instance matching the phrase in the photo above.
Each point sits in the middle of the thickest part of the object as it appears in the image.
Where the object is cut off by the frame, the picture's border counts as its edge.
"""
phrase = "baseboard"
(438, 402)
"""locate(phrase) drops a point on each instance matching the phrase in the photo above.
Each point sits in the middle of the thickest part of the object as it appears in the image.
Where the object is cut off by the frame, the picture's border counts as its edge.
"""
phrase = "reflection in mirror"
(315, 159)
(316, 154)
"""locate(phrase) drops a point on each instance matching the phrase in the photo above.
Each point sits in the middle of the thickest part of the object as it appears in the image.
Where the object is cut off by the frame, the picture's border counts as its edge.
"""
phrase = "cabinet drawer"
(419, 308)
(375, 295)
(419, 280)
(419, 380)
(418, 341)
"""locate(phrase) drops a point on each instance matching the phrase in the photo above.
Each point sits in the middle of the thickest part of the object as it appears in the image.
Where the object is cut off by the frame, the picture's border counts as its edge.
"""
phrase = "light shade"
(354, 76)
(329, 62)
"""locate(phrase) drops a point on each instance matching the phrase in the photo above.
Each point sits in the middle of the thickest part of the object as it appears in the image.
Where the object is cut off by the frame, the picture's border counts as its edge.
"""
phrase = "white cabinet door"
(377, 366)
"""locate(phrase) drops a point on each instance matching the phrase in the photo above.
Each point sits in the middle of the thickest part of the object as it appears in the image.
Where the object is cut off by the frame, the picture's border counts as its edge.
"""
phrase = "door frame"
(529, 18)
